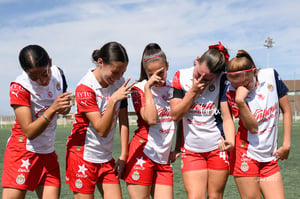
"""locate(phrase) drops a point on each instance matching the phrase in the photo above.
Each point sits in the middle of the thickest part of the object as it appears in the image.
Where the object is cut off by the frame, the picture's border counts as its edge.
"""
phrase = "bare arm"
(124, 135)
(32, 129)
(179, 139)
(180, 107)
(246, 116)
(283, 151)
(103, 123)
(149, 112)
(228, 127)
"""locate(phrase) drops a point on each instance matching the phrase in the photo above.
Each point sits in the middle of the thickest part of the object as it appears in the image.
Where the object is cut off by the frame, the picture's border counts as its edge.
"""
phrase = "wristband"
(47, 119)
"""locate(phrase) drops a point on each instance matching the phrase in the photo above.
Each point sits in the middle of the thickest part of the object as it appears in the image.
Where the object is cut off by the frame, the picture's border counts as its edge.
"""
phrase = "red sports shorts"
(26, 170)
(241, 165)
(214, 160)
(82, 176)
(143, 171)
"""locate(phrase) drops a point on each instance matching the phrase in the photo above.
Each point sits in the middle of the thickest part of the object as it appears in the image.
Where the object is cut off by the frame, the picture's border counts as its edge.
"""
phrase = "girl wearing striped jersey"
(37, 96)
(198, 98)
(148, 170)
(101, 97)
(255, 97)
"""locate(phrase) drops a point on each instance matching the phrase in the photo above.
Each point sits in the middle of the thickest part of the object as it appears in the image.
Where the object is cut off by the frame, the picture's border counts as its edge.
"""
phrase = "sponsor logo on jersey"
(81, 170)
(139, 165)
(25, 166)
(15, 93)
(266, 113)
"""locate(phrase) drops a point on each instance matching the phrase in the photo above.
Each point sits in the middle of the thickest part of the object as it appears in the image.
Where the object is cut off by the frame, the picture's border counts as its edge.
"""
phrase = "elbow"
(102, 134)
(151, 122)
(176, 118)
(254, 130)
(29, 135)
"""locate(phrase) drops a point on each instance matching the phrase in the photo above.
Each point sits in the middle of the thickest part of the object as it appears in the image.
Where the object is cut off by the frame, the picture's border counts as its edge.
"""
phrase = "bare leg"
(195, 183)
(11, 193)
(163, 191)
(138, 191)
(272, 187)
(83, 196)
(47, 192)
(248, 187)
(110, 190)
(216, 183)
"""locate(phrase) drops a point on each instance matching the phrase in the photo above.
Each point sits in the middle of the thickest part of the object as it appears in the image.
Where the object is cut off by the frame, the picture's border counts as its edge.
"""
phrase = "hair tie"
(153, 57)
(221, 48)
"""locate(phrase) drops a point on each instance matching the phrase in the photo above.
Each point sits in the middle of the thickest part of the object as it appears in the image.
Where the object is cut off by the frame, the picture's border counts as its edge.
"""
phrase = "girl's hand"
(62, 103)
(174, 155)
(241, 94)
(120, 168)
(225, 145)
(123, 92)
(198, 85)
(282, 153)
(155, 79)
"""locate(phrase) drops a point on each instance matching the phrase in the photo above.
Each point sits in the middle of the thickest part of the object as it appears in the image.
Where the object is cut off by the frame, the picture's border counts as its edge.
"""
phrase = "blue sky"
(70, 30)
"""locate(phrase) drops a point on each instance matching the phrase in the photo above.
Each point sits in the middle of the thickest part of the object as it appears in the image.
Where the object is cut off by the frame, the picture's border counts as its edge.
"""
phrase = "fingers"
(119, 168)
(126, 82)
(200, 78)
(159, 70)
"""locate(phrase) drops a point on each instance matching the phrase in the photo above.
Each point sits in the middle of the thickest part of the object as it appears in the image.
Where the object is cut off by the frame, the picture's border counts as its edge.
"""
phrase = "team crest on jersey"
(78, 184)
(211, 88)
(270, 87)
(20, 179)
(58, 87)
(135, 175)
(244, 167)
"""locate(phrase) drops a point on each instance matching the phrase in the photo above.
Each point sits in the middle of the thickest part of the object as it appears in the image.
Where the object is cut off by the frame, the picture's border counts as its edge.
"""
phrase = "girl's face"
(41, 75)
(203, 70)
(109, 73)
(246, 79)
(153, 66)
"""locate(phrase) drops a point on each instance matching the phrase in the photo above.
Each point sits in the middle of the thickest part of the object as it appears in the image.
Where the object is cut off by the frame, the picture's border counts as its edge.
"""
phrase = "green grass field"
(290, 169)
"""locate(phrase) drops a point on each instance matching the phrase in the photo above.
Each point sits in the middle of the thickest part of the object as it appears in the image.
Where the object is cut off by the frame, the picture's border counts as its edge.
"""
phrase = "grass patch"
(290, 169)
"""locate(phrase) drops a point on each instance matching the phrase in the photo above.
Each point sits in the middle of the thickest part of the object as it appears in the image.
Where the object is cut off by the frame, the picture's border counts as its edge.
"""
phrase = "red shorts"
(214, 160)
(82, 176)
(241, 165)
(26, 170)
(143, 171)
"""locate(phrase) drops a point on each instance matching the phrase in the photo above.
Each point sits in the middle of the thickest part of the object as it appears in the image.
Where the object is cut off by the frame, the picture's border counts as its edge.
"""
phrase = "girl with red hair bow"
(198, 98)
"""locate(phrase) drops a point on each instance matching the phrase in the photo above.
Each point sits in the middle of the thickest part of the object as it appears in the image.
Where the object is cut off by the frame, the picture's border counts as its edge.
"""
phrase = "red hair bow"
(221, 48)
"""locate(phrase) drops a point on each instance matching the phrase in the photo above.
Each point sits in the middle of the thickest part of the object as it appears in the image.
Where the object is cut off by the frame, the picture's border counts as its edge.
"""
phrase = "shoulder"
(139, 85)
